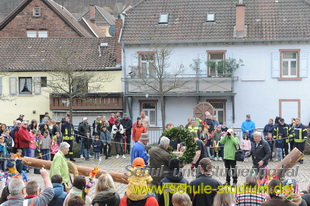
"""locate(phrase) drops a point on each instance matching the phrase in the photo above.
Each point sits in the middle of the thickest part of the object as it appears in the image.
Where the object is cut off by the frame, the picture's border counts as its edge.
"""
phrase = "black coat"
(261, 152)
(268, 129)
(83, 128)
(127, 124)
(204, 198)
(107, 198)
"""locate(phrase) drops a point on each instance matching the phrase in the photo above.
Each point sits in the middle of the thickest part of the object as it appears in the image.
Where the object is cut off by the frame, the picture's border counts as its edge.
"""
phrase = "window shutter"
(1, 86)
(13, 85)
(275, 64)
(37, 85)
(303, 64)
(229, 56)
(134, 60)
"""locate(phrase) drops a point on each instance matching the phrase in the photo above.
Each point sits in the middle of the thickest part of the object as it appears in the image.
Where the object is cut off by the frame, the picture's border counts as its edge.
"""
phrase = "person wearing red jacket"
(138, 130)
(24, 138)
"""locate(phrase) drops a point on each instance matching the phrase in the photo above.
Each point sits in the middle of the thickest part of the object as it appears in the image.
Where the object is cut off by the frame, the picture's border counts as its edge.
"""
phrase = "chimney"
(118, 47)
(92, 13)
(240, 30)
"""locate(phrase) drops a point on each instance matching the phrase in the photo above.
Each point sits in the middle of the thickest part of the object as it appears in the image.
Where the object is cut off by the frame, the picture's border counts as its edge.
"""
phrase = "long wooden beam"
(38, 163)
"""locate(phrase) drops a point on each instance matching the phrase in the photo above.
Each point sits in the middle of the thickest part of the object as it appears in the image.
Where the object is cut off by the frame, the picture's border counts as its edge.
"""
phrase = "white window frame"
(36, 12)
(216, 61)
(211, 17)
(21, 87)
(146, 71)
(37, 33)
(289, 61)
(164, 18)
(148, 110)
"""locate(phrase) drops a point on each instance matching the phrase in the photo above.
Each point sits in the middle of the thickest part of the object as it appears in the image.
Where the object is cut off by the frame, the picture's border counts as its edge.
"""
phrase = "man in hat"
(138, 150)
(230, 143)
(21, 117)
(287, 134)
(83, 129)
(127, 126)
(60, 165)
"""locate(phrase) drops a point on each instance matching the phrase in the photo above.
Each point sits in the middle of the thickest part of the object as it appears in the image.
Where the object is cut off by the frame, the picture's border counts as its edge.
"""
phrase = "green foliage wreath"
(187, 138)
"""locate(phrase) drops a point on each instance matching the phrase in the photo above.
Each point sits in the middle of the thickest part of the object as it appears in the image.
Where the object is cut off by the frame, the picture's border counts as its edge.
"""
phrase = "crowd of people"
(214, 141)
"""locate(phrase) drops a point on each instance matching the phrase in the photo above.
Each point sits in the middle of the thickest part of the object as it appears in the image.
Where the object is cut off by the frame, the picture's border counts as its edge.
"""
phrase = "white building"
(271, 37)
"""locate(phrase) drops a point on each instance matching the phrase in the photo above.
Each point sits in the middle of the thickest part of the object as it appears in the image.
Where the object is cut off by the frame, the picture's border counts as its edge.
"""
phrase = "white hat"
(84, 118)
(230, 131)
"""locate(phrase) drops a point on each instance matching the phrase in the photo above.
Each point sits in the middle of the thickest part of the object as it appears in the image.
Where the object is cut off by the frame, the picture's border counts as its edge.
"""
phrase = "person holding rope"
(287, 135)
(300, 137)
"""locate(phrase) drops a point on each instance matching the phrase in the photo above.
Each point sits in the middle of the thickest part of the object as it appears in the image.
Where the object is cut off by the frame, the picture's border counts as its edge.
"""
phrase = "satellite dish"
(112, 30)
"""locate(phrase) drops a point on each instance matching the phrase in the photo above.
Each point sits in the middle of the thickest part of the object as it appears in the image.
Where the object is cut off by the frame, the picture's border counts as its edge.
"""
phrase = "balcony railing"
(193, 84)
(90, 102)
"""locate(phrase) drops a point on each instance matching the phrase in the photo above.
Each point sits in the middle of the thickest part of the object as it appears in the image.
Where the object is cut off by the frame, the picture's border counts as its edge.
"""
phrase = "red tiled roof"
(31, 54)
(265, 20)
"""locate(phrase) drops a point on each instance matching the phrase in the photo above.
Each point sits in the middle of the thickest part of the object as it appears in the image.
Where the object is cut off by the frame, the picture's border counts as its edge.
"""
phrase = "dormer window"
(211, 17)
(36, 12)
(163, 19)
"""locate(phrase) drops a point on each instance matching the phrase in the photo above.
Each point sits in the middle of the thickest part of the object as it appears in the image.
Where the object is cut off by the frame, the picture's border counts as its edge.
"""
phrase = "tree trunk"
(163, 111)
(288, 162)
(71, 108)
(37, 163)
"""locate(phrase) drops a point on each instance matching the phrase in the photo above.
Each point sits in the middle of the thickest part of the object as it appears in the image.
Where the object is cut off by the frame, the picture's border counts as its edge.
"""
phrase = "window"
(43, 81)
(36, 12)
(149, 109)
(163, 19)
(25, 85)
(210, 17)
(147, 65)
(37, 34)
(31, 34)
(80, 86)
(289, 64)
(219, 109)
(216, 57)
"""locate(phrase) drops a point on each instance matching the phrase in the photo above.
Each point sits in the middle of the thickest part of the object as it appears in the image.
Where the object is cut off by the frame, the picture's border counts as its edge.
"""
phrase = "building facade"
(273, 46)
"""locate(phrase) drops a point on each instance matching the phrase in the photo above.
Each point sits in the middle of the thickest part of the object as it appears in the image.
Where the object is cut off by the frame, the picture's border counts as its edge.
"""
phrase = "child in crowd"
(38, 144)
(45, 145)
(209, 144)
(270, 141)
(97, 147)
(8, 140)
(279, 147)
(106, 140)
(54, 147)
(32, 144)
(12, 165)
(58, 138)
(59, 193)
(3, 153)
(87, 145)
(18, 158)
(138, 178)
(224, 127)
(246, 145)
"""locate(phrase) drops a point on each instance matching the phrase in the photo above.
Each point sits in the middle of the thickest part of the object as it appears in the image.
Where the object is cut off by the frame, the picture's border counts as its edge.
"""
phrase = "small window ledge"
(25, 95)
(290, 79)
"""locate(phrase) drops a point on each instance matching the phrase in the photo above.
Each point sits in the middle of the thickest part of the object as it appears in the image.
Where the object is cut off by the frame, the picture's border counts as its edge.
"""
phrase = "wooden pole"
(288, 162)
(38, 163)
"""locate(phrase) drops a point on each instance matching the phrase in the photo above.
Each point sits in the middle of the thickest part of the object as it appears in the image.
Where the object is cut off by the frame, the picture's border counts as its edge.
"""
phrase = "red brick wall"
(118, 48)
(49, 20)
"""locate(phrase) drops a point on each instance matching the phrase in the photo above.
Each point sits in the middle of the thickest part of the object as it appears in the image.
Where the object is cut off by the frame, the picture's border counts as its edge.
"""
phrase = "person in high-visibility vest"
(67, 130)
(300, 137)
(287, 134)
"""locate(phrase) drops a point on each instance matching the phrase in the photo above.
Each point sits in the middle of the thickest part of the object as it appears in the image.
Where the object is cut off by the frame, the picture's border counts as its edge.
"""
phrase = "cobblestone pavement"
(118, 165)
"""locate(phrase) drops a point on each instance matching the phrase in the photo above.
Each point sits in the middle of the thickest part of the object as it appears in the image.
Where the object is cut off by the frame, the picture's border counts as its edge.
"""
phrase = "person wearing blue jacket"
(59, 193)
(248, 127)
(138, 150)
(97, 147)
